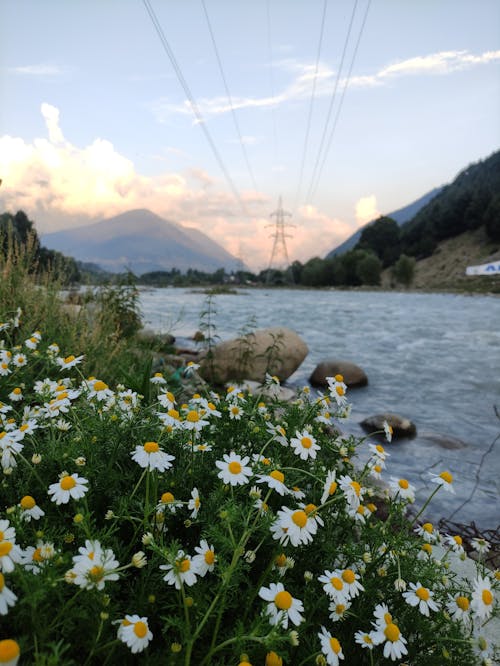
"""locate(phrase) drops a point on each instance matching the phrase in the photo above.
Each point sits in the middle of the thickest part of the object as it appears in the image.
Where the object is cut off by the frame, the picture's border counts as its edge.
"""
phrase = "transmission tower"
(279, 255)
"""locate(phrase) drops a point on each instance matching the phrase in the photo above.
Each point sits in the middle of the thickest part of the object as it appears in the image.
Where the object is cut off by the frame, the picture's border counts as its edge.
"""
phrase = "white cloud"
(37, 70)
(366, 209)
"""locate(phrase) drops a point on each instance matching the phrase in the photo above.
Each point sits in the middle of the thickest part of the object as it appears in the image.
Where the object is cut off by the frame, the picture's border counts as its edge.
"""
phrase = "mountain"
(401, 216)
(141, 241)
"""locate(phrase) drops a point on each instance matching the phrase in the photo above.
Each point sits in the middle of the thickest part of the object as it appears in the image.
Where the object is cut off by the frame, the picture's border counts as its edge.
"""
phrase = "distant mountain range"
(401, 216)
(141, 241)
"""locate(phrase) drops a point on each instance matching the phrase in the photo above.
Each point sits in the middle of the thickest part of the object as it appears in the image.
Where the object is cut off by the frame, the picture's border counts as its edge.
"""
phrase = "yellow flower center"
(17, 391)
(332, 488)
(458, 539)
(140, 629)
(339, 378)
(387, 618)
(100, 386)
(340, 390)
(184, 565)
(403, 483)
(356, 487)
(349, 576)
(339, 609)
(266, 461)
(427, 548)
(335, 645)
(427, 527)
(96, 573)
(336, 583)
(392, 632)
(193, 416)
(69, 358)
(27, 502)
(9, 650)
(446, 476)
(487, 597)
(463, 603)
(380, 448)
(234, 467)
(306, 442)
(299, 518)
(67, 482)
(173, 413)
(280, 560)
(272, 659)
(5, 548)
(209, 556)
(235, 410)
(283, 600)
(310, 509)
(151, 447)
(167, 498)
(279, 476)
(37, 555)
(422, 593)
(24, 427)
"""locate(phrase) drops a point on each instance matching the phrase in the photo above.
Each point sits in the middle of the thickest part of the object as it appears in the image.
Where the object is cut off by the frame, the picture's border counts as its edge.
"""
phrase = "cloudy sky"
(207, 111)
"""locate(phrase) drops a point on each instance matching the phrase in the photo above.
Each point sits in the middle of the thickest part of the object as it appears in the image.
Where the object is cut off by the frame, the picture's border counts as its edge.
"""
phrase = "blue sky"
(94, 120)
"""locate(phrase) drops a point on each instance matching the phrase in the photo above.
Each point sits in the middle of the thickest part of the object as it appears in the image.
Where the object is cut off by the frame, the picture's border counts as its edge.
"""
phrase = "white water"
(434, 358)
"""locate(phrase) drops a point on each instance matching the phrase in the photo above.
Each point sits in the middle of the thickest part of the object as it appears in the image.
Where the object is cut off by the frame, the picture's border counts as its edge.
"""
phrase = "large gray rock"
(277, 351)
(401, 427)
(352, 373)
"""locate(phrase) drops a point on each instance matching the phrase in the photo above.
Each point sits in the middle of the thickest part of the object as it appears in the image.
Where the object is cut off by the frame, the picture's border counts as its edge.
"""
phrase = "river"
(434, 358)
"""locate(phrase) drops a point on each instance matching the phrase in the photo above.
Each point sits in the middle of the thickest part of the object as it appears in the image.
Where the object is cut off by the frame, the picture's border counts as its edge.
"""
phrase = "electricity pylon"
(279, 254)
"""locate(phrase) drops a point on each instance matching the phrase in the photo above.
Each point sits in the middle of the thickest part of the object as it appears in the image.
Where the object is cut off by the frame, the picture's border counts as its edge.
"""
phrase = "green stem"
(138, 483)
(425, 505)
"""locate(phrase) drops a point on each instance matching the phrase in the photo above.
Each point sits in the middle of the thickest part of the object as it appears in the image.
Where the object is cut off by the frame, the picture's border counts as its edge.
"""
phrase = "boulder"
(352, 373)
(282, 393)
(401, 426)
(278, 351)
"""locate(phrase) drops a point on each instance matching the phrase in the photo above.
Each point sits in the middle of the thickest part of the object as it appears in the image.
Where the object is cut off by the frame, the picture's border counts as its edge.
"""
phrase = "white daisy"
(10, 555)
(194, 503)
(182, 571)
(427, 532)
(233, 469)
(334, 586)
(455, 543)
(364, 639)
(70, 486)
(352, 490)
(7, 597)
(330, 486)
(158, 379)
(304, 445)
(402, 489)
(274, 480)
(29, 509)
(480, 545)
(394, 641)
(19, 360)
(388, 431)
(330, 647)
(151, 457)
(16, 395)
(445, 479)
(99, 390)
(482, 597)
(7, 533)
(278, 433)
(295, 527)
(204, 560)
(337, 389)
(68, 362)
(168, 503)
(421, 597)
(193, 421)
(94, 572)
(135, 633)
(282, 607)
(379, 452)
(338, 609)
(458, 606)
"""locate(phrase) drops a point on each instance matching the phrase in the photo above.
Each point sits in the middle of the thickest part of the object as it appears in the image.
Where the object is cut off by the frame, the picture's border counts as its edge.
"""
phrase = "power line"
(233, 113)
(339, 108)
(332, 99)
(192, 102)
(311, 103)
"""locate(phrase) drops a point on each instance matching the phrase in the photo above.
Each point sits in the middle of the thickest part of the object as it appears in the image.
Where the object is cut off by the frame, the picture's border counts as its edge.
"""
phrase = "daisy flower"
(352, 490)
(10, 554)
(16, 395)
(235, 412)
(445, 479)
(151, 457)
(455, 543)
(394, 641)
(304, 445)
(480, 545)
(4, 368)
(19, 360)
(99, 390)
(274, 480)
(158, 378)
(94, 573)
(182, 571)
(68, 362)
(364, 639)
(7, 533)
(135, 633)
(351, 580)
(194, 503)
(402, 489)
(426, 531)
(7, 597)
(69, 486)
(337, 389)
(167, 400)
(193, 421)
(421, 597)
(458, 607)
(190, 368)
(29, 509)
(168, 503)
(282, 607)
(482, 597)
(296, 527)
(9, 652)
(388, 431)
(338, 610)
(278, 433)
(204, 560)
(233, 469)
(330, 647)
(379, 452)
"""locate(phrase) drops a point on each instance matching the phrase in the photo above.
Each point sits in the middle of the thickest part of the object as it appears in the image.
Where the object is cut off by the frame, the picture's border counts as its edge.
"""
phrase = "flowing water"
(434, 358)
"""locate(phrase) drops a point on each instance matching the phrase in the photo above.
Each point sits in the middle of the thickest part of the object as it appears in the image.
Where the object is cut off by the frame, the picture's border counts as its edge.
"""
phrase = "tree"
(368, 269)
(403, 270)
(383, 239)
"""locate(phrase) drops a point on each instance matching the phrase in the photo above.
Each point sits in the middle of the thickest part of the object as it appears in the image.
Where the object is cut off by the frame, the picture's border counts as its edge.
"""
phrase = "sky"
(206, 112)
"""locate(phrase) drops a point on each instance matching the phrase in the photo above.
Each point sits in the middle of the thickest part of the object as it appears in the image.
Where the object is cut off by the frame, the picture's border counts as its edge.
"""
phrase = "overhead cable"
(233, 113)
(192, 102)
